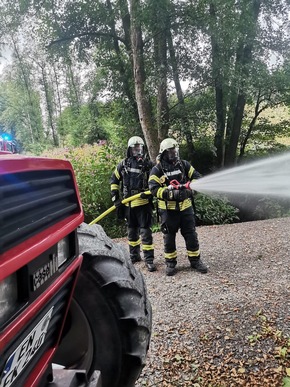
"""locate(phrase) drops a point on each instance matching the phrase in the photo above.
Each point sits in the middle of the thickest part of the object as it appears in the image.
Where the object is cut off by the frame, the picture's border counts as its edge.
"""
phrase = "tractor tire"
(110, 319)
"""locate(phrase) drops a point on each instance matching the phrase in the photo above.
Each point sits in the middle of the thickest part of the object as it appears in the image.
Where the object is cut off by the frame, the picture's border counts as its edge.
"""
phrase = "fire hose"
(124, 201)
(174, 184)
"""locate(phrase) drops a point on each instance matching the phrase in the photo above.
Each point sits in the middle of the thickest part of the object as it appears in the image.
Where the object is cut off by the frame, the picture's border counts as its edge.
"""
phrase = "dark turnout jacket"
(130, 177)
(160, 177)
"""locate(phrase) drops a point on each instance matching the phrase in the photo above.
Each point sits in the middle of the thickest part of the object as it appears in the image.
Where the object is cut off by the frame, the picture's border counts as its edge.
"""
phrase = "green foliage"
(117, 118)
(20, 114)
(204, 154)
(260, 208)
(271, 208)
(77, 127)
(211, 210)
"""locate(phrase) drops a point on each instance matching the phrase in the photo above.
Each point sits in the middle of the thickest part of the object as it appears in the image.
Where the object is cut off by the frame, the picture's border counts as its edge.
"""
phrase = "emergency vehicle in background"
(74, 310)
(7, 145)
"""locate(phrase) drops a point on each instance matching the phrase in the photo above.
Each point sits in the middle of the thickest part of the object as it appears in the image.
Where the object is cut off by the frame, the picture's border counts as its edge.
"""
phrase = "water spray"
(267, 177)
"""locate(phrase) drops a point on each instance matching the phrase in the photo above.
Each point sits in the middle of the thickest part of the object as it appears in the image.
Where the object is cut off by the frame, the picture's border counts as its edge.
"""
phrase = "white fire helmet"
(169, 150)
(136, 146)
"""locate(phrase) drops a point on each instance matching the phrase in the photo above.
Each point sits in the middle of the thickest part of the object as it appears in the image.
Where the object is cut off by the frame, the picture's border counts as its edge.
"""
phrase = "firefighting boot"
(135, 258)
(198, 265)
(134, 253)
(149, 257)
(170, 267)
(150, 266)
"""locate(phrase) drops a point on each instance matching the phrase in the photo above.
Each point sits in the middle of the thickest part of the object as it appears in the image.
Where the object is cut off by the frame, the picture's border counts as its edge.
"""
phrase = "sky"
(5, 57)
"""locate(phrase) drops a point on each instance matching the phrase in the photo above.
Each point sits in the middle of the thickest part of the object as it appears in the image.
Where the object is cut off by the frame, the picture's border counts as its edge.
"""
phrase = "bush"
(213, 210)
(253, 207)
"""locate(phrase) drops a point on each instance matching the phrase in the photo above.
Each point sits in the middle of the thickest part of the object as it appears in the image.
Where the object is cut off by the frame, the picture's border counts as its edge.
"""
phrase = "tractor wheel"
(109, 324)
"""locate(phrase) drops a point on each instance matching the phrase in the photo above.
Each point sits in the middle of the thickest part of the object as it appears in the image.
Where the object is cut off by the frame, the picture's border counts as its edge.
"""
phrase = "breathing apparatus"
(169, 151)
(136, 147)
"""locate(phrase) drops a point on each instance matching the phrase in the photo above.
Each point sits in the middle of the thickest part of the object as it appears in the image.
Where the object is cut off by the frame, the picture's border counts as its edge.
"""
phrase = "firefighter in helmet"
(129, 178)
(175, 205)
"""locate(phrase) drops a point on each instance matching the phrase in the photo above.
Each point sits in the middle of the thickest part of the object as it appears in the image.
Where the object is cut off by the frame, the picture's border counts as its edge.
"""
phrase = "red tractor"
(73, 309)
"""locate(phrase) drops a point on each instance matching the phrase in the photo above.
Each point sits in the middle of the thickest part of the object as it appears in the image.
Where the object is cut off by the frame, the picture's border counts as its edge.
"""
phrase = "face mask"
(172, 155)
(137, 150)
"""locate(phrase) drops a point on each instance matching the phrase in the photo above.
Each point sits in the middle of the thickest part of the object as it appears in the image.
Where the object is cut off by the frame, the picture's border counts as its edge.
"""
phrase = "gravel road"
(231, 326)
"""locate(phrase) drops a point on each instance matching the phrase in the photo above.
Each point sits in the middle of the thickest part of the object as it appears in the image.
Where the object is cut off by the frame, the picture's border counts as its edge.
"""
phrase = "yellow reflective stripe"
(162, 204)
(154, 178)
(117, 174)
(170, 255)
(133, 244)
(137, 202)
(160, 192)
(191, 171)
(171, 205)
(193, 253)
(185, 204)
(147, 247)
(114, 187)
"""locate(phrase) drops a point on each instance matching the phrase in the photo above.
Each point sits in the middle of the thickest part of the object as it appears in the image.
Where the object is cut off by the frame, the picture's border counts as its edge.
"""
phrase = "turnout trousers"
(139, 222)
(171, 222)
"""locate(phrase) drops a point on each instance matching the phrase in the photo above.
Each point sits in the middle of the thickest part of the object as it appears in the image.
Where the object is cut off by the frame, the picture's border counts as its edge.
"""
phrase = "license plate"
(41, 275)
(22, 355)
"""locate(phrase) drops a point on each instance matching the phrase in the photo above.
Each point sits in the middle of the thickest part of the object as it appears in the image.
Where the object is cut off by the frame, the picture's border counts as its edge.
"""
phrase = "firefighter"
(175, 205)
(131, 177)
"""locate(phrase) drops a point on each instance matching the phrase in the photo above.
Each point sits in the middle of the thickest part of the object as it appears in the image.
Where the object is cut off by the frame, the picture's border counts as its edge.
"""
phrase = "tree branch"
(72, 37)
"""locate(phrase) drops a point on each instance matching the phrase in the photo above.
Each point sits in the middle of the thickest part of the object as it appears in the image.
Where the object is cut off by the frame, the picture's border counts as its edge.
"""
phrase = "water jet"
(267, 177)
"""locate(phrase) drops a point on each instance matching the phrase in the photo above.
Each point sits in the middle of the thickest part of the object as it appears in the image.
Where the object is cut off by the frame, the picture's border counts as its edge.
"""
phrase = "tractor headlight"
(63, 251)
(8, 297)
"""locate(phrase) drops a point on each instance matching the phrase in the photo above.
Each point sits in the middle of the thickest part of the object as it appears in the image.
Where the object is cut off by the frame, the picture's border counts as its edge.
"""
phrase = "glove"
(118, 203)
(144, 196)
(121, 212)
(177, 195)
(185, 194)
(116, 199)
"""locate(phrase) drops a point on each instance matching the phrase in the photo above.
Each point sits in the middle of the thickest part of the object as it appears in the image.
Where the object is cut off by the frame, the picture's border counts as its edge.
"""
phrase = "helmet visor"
(172, 154)
(137, 150)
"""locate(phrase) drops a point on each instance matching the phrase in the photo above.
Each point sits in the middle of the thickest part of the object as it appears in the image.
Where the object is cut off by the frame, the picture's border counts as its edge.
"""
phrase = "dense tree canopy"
(204, 71)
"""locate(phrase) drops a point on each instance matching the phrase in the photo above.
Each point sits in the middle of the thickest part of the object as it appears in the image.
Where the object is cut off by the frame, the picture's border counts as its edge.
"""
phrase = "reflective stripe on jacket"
(160, 177)
(131, 177)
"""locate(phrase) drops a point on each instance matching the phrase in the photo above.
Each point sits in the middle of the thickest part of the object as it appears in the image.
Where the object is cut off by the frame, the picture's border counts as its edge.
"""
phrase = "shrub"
(253, 207)
(213, 210)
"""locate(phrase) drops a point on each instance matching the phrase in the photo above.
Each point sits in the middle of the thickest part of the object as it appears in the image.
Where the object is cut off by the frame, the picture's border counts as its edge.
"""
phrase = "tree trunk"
(73, 90)
(34, 129)
(143, 103)
(231, 149)
(180, 98)
(58, 97)
(126, 22)
(258, 111)
(121, 65)
(243, 61)
(219, 142)
(49, 106)
(160, 25)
